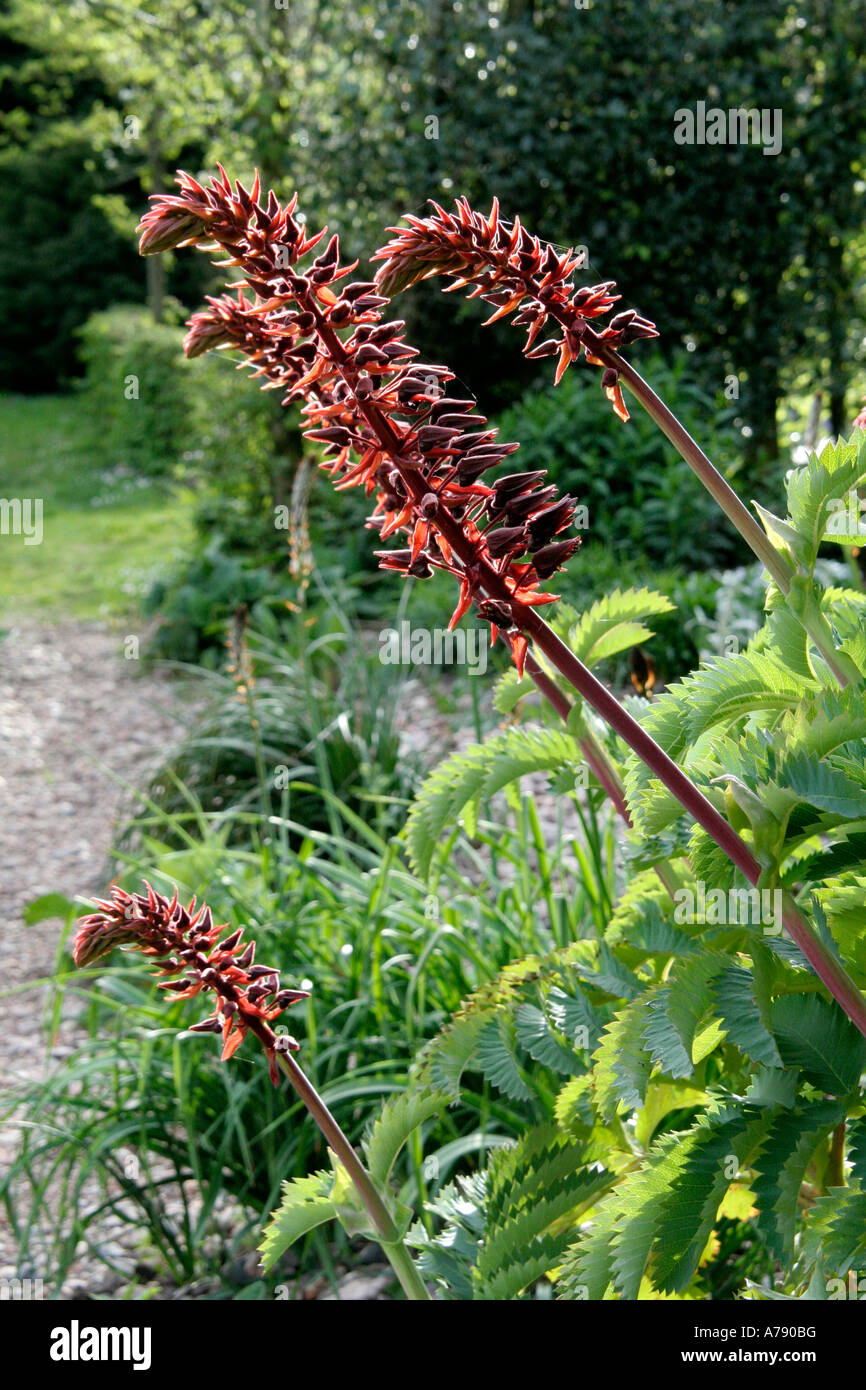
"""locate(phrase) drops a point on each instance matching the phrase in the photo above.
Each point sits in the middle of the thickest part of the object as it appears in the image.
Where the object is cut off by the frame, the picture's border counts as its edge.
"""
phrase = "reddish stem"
(826, 966)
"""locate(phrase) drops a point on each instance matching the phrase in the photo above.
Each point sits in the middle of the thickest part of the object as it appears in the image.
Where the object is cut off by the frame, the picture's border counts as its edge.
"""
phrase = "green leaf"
(495, 1059)
(614, 624)
(573, 1015)
(48, 906)
(736, 686)
(823, 786)
(586, 1271)
(399, 1118)
(462, 781)
(782, 1163)
(521, 1248)
(306, 1203)
(781, 533)
(744, 1010)
(709, 862)
(841, 900)
(857, 1148)
(642, 919)
(510, 690)
(535, 1035)
(452, 1051)
(573, 1108)
(816, 1036)
(690, 1205)
(845, 1241)
(662, 1098)
(611, 975)
(622, 1065)
(666, 1209)
(813, 490)
(676, 1009)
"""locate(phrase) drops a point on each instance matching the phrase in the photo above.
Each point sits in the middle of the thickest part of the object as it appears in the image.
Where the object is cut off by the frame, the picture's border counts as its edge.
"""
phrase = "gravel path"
(75, 716)
(77, 722)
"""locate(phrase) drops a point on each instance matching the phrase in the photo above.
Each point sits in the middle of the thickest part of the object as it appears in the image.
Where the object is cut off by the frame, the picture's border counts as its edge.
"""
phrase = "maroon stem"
(598, 765)
(372, 1200)
(824, 963)
(826, 966)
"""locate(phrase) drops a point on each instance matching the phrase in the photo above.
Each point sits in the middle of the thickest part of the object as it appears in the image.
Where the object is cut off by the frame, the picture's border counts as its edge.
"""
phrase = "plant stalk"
(825, 965)
(595, 756)
(398, 1256)
(596, 759)
(843, 669)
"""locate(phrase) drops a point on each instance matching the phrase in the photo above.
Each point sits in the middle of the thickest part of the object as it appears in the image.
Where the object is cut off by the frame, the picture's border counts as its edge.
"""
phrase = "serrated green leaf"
(813, 489)
(823, 786)
(306, 1203)
(464, 779)
(622, 1064)
(676, 1009)
(662, 1098)
(535, 1035)
(495, 1059)
(744, 1011)
(399, 1117)
(816, 1036)
(782, 1164)
(615, 623)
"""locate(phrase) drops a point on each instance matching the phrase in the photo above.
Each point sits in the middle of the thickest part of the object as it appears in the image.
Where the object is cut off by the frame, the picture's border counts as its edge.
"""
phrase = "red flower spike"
(187, 940)
(500, 262)
(383, 418)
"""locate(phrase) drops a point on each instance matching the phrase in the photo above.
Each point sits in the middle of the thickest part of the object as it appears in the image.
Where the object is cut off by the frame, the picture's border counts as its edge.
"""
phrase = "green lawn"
(105, 532)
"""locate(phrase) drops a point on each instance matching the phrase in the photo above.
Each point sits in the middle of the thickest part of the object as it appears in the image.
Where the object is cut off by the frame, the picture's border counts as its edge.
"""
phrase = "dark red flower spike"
(385, 420)
(500, 262)
(186, 943)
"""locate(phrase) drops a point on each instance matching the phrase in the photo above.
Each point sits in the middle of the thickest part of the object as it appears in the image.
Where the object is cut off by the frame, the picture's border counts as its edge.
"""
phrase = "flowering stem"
(389, 1237)
(826, 966)
(248, 232)
(753, 534)
(596, 758)
(824, 963)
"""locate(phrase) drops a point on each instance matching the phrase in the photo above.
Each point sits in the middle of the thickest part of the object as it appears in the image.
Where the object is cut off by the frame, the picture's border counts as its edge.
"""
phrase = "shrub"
(192, 606)
(139, 389)
(301, 708)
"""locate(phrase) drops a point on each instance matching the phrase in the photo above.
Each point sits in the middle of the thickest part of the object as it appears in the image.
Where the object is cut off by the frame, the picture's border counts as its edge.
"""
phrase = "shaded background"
(753, 263)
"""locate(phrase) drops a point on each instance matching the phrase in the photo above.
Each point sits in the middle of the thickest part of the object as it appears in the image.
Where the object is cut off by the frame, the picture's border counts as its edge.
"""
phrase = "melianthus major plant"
(693, 1067)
